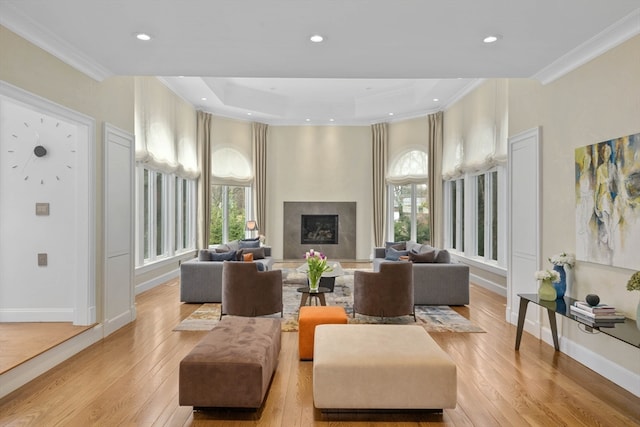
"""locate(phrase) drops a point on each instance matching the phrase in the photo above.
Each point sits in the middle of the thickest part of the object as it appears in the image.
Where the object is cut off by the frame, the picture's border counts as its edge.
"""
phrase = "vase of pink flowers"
(316, 265)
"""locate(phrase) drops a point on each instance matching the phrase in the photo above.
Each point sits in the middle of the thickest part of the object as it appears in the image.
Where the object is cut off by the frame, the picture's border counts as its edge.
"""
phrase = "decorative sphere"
(592, 299)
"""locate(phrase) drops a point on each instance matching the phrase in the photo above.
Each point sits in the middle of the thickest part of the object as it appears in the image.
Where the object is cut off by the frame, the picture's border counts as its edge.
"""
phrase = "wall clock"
(39, 148)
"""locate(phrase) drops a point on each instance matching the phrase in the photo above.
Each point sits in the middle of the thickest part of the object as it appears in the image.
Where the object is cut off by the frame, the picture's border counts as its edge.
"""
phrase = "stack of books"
(598, 316)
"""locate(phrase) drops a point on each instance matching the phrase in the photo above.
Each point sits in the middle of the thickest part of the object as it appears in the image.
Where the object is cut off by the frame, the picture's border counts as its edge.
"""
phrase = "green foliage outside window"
(233, 199)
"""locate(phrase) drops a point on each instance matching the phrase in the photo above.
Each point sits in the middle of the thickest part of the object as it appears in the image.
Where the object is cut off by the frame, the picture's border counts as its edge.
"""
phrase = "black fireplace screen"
(319, 229)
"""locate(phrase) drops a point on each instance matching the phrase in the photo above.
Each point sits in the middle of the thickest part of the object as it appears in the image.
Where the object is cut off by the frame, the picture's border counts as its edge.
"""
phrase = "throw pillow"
(399, 246)
(422, 257)
(443, 257)
(247, 257)
(394, 255)
(258, 253)
(224, 256)
(242, 244)
(204, 255)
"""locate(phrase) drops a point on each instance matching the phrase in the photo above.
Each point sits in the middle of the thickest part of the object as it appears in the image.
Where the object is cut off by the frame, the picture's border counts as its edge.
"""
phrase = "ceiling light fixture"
(332, 120)
(143, 36)
(492, 39)
(391, 114)
(435, 100)
(248, 114)
(203, 99)
(316, 38)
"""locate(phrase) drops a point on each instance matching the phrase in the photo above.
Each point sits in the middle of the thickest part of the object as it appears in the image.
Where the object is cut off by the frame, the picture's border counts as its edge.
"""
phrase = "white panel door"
(119, 302)
(524, 221)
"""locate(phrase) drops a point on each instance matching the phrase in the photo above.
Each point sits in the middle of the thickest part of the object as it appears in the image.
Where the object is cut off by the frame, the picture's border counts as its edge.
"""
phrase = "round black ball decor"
(592, 299)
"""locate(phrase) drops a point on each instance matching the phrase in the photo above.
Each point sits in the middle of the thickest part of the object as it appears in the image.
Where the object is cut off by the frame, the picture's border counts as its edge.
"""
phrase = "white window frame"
(458, 222)
(248, 203)
(414, 211)
(169, 224)
(467, 207)
(186, 219)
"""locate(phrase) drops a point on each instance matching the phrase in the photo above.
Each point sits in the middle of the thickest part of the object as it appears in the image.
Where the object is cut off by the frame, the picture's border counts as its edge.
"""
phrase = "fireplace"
(301, 220)
(319, 229)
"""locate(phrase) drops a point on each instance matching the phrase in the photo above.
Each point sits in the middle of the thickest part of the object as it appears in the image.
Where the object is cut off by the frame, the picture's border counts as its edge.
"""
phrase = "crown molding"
(28, 29)
(621, 31)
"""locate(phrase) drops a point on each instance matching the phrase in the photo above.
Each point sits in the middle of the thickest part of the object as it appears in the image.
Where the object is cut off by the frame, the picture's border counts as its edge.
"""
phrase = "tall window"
(454, 200)
(184, 238)
(411, 213)
(166, 224)
(409, 198)
(230, 194)
(154, 208)
(229, 211)
(483, 216)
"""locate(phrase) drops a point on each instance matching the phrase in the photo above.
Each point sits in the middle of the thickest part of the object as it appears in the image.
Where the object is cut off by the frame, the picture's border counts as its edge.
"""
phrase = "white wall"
(319, 164)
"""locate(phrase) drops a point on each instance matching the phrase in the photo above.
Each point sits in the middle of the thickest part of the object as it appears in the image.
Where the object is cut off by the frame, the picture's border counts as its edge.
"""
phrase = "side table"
(307, 295)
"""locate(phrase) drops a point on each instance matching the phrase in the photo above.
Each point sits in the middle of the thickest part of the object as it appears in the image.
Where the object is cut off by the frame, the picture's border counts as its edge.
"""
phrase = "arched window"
(230, 166)
(409, 198)
(411, 165)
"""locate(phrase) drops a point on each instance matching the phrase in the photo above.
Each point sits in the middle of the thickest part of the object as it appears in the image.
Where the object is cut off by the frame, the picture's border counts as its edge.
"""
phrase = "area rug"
(431, 318)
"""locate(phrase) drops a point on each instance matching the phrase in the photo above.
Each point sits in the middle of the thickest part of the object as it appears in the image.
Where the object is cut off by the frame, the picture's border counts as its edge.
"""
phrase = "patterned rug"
(431, 318)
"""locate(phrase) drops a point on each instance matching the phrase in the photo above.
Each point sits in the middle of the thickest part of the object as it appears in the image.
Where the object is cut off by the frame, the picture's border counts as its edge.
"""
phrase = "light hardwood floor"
(131, 378)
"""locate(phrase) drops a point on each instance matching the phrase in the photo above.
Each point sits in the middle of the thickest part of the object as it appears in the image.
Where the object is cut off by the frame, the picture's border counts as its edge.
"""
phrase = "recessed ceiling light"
(435, 100)
(391, 114)
(143, 36)
(332, 120)
(203, 99)
(316, 38)
(307, 120)
(492, 39)
(248, 114)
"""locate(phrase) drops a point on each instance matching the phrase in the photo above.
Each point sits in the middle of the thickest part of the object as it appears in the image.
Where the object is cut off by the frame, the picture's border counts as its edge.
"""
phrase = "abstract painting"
(607, 185)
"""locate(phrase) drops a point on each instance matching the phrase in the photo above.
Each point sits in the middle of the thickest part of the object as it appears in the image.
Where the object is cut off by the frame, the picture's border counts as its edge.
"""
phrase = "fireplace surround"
(329, 227)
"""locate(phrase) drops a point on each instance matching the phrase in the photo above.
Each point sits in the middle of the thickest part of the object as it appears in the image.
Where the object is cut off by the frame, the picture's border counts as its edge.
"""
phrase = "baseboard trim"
(487, 284)
(36, 314)
(112, 325)
(33, 368)
(620, 375)
(156, 281)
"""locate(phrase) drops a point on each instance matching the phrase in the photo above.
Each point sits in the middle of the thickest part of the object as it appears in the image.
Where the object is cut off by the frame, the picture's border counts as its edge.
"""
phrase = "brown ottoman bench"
(232, 366)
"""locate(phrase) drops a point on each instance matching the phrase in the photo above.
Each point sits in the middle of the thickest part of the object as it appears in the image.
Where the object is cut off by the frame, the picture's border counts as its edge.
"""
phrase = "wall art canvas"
(607, 183)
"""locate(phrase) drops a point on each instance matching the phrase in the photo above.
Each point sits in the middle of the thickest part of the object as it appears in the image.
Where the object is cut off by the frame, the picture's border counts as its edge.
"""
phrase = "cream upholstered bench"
(381, 367)
(232, 365)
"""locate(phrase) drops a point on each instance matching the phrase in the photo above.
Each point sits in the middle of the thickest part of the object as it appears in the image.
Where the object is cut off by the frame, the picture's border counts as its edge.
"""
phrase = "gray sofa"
(201, 281)
(434, 283)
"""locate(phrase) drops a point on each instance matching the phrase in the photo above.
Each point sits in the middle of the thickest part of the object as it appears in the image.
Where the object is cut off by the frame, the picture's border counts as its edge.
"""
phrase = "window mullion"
(488, 216)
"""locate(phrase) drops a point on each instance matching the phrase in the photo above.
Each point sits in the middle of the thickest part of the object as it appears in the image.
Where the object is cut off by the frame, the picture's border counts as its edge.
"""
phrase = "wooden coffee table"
(318, 295)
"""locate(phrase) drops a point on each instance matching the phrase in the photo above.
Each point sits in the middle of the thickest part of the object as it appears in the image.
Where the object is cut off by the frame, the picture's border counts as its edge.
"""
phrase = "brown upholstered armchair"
(387, 293)
(249, 292)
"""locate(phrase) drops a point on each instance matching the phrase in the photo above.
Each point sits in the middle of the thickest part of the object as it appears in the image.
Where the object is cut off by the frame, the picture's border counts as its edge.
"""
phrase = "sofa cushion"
(204, 255)
(242, 244)
(258, 253)
(443, 257)
(224, 256)
(394, 255)
(423, 256)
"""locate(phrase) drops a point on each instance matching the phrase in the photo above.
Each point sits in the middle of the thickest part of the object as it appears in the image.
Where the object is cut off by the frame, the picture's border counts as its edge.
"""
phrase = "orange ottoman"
(309, 317)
